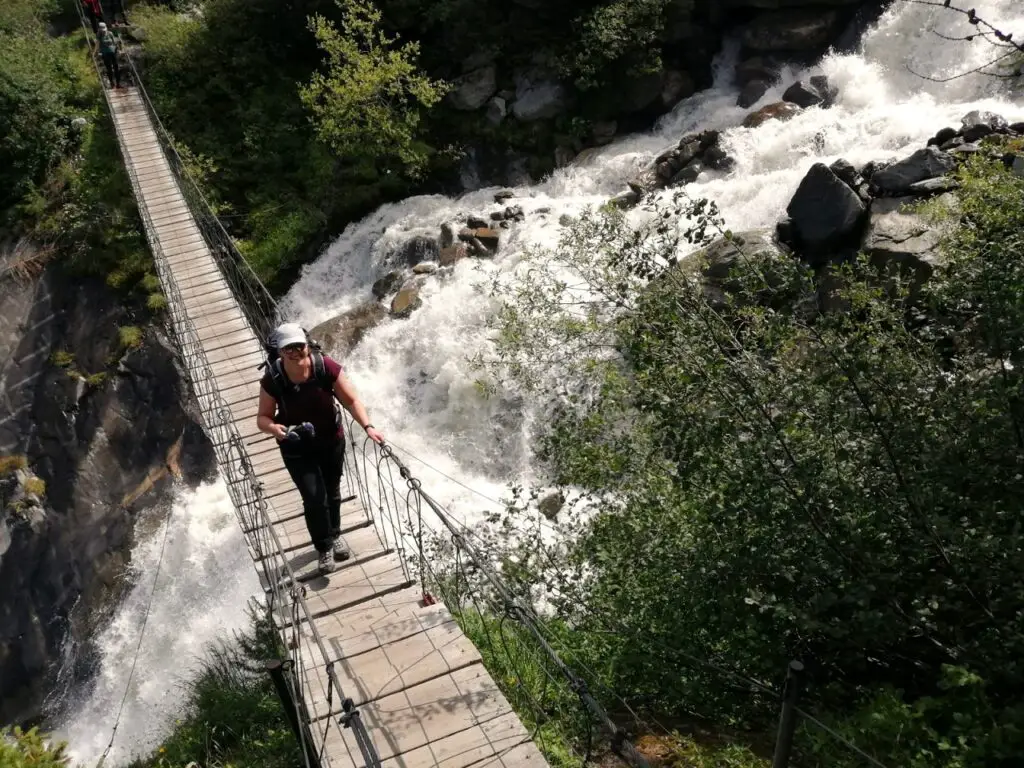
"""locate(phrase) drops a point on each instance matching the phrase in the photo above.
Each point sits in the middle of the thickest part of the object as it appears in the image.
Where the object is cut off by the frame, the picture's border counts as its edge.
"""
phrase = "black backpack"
(274, 364)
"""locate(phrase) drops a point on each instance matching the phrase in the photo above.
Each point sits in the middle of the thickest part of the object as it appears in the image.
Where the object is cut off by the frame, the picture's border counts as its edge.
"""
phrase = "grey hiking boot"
(340, 550)
(325, 563)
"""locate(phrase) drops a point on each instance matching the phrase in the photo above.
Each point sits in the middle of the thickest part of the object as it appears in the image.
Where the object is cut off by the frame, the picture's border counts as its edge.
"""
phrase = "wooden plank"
(497, 743)
(293, 534)
(392, 667)
(356, 584)
(433, 712)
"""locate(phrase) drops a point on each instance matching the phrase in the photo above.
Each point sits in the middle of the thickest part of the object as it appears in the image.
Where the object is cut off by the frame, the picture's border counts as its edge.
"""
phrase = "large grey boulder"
(825, 212)
(898, 239)
(538, 98)
(924, 164)
(341, 334)
(792, 31)
(472, 90)
(717, 261)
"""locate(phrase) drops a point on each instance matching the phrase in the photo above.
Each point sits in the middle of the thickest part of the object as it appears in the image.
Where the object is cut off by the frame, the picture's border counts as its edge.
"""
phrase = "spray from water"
(205, 581)
(415, 374)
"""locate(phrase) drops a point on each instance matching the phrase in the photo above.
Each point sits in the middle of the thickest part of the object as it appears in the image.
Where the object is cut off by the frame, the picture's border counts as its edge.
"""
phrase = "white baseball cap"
(289, 333)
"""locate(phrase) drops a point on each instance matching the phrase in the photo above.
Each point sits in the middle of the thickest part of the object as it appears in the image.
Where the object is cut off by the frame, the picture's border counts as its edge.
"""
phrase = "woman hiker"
(297, 398)
(108, 50)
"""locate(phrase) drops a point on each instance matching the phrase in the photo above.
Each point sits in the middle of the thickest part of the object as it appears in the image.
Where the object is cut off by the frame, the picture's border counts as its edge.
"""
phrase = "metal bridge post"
(278, 669)
(788, 719)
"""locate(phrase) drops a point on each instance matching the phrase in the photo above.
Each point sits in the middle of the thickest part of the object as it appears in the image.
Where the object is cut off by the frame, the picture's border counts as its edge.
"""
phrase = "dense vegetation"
(268, 99)
(765, 480)
(62, 184)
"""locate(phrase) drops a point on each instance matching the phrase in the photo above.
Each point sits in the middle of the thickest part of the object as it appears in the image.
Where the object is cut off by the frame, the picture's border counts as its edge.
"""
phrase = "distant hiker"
(94, 13)
(297, 406)
(108, 50)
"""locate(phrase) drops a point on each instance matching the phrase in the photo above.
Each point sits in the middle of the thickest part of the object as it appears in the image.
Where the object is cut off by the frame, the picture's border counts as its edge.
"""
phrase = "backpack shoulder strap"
(320, 371)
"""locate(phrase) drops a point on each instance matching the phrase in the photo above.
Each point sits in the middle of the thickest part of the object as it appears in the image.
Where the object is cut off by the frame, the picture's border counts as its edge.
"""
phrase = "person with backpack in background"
(297, 406)
(108, 50)
(94, 13)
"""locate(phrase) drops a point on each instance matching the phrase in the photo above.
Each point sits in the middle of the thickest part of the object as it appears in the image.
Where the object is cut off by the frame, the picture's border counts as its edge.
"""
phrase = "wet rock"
(924, 164)
(1018, 128)
(447, 235)
(752, 93)
(784, 231)
(716, 158)
(498, 216)
(965, 149)
(900, 240)
(846, 172)
(453, 254)
(762, 68)
(506, 194)
(791, 31)
(933, 186)
(687, 152)
(341, 334)
(829, 93)
(943, 136)
(718, 260)
(803, 95)
(484, 235)
(497, 108)
(472, 90)
(564, 156)
(780, 110)
(425, 268)
(638, 93)
(387, 284)
(874, 166)
(476, 222)
(516, 213)
(826, 213)
(676, 86)
(538, 98)
(625, 200)
(551, 504)
(419, 248)
(407, 300)
(603, 131)
(951, 144)
(689, 174)
(979, 124)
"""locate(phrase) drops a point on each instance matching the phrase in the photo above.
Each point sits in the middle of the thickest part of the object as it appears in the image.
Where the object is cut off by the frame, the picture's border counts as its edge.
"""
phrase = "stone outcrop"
(341, 334)
(780, 110)
(825, 212)
(926, 163)
(106, 429)
(897, 239)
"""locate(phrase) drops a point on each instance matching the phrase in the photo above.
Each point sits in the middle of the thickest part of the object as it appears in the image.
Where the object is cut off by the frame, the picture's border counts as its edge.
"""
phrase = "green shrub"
(35, 486)
(62, 358)
(767, 482)
(29, 749)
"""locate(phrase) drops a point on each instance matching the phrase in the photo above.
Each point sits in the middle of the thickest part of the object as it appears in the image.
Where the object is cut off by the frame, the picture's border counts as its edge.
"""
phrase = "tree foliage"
(370, 99)
(22, 749)
(762, 480)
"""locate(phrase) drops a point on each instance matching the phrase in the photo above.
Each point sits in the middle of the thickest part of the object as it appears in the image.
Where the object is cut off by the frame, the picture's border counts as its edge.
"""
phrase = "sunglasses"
(295, 348)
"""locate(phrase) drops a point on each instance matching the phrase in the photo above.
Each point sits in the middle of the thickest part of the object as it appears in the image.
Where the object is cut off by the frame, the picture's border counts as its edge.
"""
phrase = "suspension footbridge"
(381, 674)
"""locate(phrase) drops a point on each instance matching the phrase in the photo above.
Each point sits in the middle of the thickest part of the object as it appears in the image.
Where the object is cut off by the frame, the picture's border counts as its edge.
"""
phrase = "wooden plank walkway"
(421, 688)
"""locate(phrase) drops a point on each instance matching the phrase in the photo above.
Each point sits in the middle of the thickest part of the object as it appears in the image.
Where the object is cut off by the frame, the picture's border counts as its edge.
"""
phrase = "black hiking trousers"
(316, 472)
(113, 69)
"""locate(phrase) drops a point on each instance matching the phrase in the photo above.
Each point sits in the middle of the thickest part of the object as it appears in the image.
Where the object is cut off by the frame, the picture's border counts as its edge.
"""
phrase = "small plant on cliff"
(130, 336)
(367, 107)
(35, 486)
(10, 463)
(62, 358)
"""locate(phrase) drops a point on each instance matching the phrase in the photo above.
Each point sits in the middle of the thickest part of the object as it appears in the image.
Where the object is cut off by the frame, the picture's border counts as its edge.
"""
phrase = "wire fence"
(562, 703)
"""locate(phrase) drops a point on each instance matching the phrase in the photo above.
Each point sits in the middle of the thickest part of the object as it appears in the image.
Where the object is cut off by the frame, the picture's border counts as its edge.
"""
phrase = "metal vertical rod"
(277, 669)
(787, 721)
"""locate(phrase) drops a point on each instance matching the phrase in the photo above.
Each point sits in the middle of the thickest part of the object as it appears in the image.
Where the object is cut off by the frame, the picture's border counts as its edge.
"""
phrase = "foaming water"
(415, 374)
(205, 581)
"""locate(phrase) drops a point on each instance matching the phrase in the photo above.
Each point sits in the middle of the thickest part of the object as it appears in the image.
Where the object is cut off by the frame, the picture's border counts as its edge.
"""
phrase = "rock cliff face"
(105, 426)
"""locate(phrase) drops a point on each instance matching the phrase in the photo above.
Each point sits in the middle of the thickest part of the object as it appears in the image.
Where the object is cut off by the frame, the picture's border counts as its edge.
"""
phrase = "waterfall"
(205, 580)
